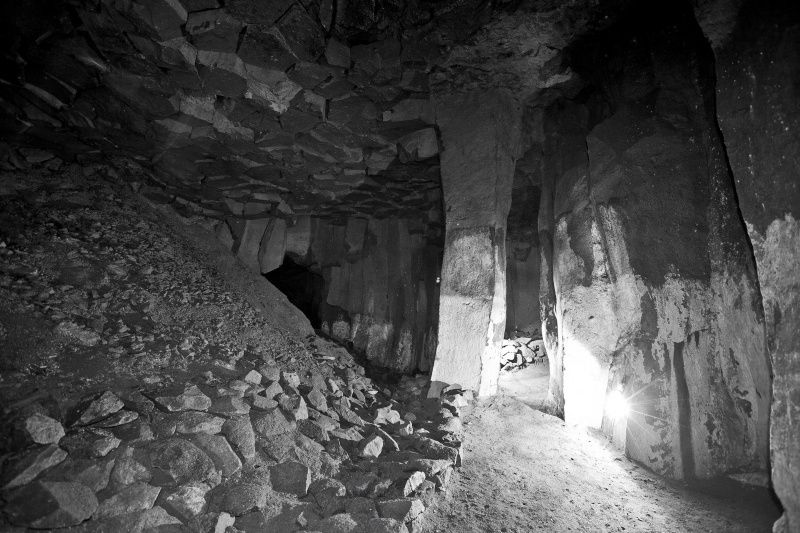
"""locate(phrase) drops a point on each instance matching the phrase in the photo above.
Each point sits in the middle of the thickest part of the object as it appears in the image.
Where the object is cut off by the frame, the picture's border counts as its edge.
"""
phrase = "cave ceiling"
(282, 107)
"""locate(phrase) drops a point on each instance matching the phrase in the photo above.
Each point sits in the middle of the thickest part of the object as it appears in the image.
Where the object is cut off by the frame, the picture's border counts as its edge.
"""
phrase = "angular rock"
(280, 447)
(213, 29)
(403, 510)
(263, 48)
(317, 399)
(354, 113)
(313, 429)
(164, 424)
(252, 521)
(270, 372)
(90, 442)
(136, 432)
(442, 478)
(42, 429)
(340, 406)
(265, 404)
(386, 525)
(290, 379)
(411, 109)
(327, 485)
(419, 145)
(371, 447)
(302, 33)
(294, 407)
(191, 422)
(240, 498)
(229, 406)
(128, 471)
(187, 501)
(192, 398)
(291, 477)
(435, 450)
(177, 462)
(93, 474)
(240, 434)
(163, 16)
(273, 390)
(119, 418)
(51, 504)
(223, 522)
(271, 423)
(253, 377)
(337, 54)
(220, 452)
(339, 523)
(135, 497)
(24, 468)
(413, 482)
(386, 415)
(349, 434)
(99, 408)
(359, 483)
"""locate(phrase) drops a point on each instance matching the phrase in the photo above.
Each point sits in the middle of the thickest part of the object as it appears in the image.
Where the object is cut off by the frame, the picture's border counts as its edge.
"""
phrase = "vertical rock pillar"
(758, 73)
(480, 134)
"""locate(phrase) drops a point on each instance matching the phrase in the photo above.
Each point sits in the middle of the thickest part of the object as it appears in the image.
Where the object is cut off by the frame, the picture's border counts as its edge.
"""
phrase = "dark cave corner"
(304, 288)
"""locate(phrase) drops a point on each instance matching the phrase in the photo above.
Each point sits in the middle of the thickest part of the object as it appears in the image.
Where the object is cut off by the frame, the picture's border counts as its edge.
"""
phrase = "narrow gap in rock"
(684, 412)
(525, 372)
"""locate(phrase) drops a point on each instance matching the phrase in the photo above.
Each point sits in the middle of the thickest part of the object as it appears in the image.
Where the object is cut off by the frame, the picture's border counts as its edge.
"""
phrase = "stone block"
(291, 477)
(50, 505)
(272, 247)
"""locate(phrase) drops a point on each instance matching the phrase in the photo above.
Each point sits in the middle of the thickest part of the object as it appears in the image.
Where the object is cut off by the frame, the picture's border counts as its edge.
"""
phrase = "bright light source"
(617, 405)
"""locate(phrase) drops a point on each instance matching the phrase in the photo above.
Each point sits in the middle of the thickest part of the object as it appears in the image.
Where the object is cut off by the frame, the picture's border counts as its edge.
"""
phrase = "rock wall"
(480, 133)
(757, 51)
(380, 288)
(655, 294)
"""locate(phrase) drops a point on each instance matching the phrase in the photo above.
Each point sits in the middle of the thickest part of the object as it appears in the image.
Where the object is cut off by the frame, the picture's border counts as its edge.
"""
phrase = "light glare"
(617, 405)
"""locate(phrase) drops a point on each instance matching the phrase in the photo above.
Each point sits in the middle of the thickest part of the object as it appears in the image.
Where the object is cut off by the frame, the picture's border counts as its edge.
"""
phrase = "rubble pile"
(520, 352)
(144, 392)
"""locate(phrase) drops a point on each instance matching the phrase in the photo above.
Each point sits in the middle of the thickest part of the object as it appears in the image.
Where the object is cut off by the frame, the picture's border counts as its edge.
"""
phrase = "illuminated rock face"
(654, 293)
(480, 134)
(758, 72)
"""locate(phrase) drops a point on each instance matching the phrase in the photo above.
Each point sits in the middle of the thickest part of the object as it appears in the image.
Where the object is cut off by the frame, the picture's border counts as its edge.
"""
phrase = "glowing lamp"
(617, 405)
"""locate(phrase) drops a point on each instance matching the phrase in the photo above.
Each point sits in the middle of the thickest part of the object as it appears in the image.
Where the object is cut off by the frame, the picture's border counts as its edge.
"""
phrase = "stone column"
(480, 133)
(758, 72)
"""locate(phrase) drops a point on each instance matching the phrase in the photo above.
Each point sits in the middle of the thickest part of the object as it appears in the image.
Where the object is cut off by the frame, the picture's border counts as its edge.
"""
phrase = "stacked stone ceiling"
(253, 107)
(257, 108)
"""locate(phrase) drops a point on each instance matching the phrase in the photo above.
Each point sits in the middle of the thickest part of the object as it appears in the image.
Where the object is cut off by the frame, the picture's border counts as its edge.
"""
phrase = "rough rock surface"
(674, 327)
(759, 117)
(481, 135)
(163, 430)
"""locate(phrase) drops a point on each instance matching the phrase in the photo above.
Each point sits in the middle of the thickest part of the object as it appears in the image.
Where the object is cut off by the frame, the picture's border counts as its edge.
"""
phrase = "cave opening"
(304, 288)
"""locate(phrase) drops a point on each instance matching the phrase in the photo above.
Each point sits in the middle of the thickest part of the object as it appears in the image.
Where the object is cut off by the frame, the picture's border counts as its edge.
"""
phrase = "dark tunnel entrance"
(303, 288)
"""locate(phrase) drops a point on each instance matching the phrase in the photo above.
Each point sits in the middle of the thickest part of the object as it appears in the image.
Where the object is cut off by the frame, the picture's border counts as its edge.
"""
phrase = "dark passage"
(304, 288)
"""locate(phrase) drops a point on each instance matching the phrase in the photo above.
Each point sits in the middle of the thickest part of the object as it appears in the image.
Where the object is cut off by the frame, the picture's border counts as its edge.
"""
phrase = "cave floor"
(528, 384)
(527, 471)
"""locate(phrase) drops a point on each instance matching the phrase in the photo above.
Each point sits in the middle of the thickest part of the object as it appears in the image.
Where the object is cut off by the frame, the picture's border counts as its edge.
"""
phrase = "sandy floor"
(527, 471)
(528, 385)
